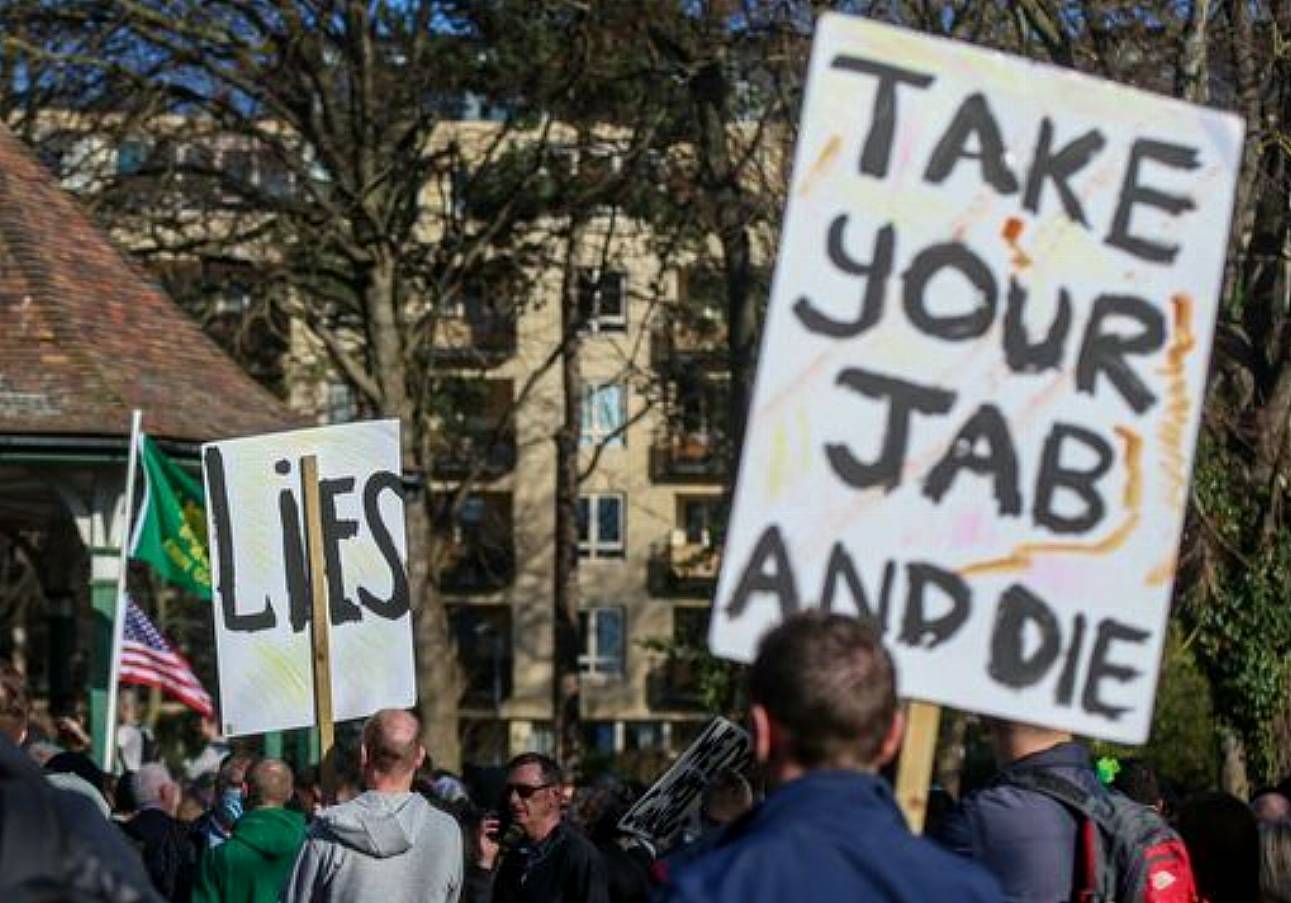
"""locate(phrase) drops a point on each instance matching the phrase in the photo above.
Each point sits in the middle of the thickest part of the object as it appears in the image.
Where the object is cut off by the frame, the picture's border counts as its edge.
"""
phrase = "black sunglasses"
(525, 790)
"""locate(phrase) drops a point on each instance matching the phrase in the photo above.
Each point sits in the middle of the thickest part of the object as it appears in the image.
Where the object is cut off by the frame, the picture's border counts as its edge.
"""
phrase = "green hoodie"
(253, 864)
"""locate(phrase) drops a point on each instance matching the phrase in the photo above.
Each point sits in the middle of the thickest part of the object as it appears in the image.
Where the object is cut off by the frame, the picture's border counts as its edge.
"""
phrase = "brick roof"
(85, 337)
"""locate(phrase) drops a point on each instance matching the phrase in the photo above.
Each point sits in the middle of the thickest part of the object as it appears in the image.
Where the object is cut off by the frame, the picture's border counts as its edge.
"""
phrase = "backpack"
(1126, 852)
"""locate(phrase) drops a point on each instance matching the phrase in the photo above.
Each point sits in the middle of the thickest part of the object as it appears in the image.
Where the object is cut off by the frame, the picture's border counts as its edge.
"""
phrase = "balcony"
(675, 684)
(479, 453)
(484, 651)
(474, 439)
(479, 553)
(679, 568)
(683, 341)
(474, 335)
(688, 457)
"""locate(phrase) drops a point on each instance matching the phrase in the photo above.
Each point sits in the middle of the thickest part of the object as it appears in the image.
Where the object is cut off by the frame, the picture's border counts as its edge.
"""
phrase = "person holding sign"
(825, 720)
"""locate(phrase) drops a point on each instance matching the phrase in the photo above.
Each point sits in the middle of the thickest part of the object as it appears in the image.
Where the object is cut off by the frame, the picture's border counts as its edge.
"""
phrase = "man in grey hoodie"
(386, 844)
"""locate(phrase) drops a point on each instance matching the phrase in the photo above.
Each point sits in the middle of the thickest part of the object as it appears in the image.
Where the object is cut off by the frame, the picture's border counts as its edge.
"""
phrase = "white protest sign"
(663, 809)
(982, 374)
(260, 582)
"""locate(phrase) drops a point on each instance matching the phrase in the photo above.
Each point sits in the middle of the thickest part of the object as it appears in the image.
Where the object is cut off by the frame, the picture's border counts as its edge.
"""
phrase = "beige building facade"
(651, 356)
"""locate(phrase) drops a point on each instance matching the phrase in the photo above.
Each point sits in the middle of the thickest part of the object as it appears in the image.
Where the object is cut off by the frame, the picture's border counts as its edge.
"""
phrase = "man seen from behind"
(387, 844)
(824, 714)
(253, 864)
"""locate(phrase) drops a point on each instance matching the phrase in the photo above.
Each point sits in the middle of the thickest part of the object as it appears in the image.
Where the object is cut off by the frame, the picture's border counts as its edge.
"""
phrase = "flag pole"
(118, 617)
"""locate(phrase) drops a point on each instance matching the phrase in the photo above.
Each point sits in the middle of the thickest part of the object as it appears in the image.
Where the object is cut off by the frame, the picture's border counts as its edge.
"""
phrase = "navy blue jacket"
(1027, 840)
(828, 837)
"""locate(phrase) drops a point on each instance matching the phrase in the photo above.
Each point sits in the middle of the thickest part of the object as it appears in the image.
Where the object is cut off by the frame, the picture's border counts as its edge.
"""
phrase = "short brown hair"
(14, 705)
(829, 684)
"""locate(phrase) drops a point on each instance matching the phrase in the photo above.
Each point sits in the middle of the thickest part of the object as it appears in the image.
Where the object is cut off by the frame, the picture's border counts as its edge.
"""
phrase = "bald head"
(1271, 807)
(270, 783)
(391, 748)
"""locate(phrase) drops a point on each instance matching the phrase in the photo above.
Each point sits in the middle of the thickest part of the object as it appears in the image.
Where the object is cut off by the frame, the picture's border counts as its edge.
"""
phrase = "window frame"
(592, 431)
(593, 547)
(591, 282)
(591, 659)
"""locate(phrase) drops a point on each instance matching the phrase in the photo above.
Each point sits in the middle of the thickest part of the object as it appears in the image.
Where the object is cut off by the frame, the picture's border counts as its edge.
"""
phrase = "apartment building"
(653, 408)
(652, 355)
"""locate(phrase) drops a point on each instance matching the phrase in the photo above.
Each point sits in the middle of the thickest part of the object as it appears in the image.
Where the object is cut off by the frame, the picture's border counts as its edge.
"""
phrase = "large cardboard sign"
(663, 809)
(260, 575)
(982, 374)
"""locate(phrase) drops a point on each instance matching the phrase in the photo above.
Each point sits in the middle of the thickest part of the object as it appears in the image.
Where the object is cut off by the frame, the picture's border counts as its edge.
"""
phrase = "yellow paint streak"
(779, 460)
(1178, 405)
(1162, 573)
(1132, 497)
(828, 154)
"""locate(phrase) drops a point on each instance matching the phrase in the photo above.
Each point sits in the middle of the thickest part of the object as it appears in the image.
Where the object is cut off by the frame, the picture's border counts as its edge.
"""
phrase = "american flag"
(147, 659)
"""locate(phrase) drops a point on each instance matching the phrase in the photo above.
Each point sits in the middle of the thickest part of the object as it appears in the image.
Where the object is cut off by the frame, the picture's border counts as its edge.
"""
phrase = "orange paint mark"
(1162, 573)
(1178, 406)
(1023, 554)
(828, 154)
(1011, 232)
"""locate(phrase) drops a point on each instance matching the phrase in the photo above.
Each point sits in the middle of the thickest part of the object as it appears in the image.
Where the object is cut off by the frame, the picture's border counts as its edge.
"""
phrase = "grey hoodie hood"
(378, 824)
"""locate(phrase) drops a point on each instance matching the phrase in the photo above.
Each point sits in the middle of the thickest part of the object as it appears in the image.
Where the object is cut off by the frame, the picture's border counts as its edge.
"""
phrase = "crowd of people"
(825, 723)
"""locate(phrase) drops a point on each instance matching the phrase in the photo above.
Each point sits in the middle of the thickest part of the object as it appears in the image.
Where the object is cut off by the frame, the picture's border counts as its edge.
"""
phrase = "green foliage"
(1183, 747)
(718, 683)
(1237, 611)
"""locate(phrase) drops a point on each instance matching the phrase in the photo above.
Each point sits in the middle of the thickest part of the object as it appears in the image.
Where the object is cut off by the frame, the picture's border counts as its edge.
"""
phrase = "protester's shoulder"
(441, 823)
(943, 875)
(745, 864)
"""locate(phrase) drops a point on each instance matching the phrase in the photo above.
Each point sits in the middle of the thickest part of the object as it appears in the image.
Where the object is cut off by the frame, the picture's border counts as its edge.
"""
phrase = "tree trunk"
(727, 207)
(565, 699)
(948, 767)
(1232, 767)
(438, 675)
(438, 679)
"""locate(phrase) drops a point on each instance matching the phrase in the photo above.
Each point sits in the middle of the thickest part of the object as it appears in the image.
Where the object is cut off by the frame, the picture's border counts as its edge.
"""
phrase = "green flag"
(170, 534)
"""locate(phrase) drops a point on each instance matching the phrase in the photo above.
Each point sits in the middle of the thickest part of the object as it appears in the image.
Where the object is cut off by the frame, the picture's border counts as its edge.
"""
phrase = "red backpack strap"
(1086, 888)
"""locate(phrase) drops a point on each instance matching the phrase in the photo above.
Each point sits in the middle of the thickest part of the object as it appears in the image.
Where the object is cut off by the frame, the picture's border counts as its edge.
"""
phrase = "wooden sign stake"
(319, 625)
(914, 773)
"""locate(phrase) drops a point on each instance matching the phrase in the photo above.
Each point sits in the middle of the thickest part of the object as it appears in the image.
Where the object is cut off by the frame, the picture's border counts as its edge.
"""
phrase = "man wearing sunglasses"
(553, 863)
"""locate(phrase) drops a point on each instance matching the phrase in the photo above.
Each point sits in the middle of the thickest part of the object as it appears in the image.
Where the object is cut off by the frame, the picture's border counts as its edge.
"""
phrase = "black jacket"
(167, 853)
(563, 868)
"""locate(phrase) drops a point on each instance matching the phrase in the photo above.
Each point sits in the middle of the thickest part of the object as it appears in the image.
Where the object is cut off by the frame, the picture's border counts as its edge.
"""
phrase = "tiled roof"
(85, 337)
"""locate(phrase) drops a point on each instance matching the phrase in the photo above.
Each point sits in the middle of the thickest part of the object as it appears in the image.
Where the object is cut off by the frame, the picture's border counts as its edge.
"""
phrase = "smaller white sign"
(260, 575)
(664, 808)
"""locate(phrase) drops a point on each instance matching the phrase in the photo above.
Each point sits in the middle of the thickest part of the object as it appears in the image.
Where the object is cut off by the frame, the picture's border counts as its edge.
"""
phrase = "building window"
(600, 525)
(341, 404)
(602, 632)
(646, 736)
(701, 518)
(602, 300)
(605, 412)
(690, 627)
(132, 154)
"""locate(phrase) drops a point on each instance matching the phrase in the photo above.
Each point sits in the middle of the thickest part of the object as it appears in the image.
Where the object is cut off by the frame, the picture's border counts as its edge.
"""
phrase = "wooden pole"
(319, 625)
(914, 773)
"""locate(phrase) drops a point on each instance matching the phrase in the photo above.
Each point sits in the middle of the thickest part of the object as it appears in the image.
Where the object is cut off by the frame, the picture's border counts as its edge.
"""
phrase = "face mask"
(231, 804)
